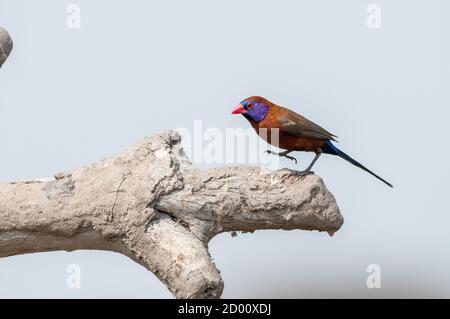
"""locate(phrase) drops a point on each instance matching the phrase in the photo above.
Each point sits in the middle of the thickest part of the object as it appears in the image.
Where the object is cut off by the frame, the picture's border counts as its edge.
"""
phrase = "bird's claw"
(291, 158)
(282, 155)
(305, 173)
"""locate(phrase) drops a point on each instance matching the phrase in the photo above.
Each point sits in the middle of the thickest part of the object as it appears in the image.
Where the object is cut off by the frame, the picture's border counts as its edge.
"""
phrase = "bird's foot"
(305, 173)
(282, 155)
(291, 158)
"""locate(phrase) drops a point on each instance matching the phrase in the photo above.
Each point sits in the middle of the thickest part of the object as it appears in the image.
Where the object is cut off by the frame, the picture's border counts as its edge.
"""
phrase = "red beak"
(238, 109)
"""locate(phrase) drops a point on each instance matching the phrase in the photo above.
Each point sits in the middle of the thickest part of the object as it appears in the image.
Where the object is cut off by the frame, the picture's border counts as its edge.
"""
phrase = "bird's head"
(254, 108)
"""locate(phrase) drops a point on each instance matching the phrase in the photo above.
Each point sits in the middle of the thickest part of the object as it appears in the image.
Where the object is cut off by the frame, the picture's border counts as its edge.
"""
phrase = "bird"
(293, 132)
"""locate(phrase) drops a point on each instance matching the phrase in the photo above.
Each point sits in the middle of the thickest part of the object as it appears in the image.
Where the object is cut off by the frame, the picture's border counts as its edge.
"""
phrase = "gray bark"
(6, 45)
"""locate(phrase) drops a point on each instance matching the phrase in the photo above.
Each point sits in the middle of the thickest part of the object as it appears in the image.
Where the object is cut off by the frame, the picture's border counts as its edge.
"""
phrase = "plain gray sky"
(71, 97)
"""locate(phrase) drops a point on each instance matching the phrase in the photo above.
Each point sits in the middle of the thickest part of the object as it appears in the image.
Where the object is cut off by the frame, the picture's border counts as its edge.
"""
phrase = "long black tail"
(331, 149)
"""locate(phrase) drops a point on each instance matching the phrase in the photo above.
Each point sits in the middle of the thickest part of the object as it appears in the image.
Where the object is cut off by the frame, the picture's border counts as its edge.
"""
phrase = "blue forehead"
(247, 102)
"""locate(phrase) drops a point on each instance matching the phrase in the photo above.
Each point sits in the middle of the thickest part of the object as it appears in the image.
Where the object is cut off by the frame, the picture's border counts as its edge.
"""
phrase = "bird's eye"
(250, 106)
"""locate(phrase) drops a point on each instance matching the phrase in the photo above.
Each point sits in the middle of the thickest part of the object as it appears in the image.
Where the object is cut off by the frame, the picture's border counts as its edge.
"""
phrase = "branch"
(6, 45)
(152, 205)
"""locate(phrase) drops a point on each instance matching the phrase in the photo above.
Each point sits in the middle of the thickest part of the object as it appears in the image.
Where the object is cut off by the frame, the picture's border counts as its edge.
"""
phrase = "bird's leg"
(308, 171)
(283, 154)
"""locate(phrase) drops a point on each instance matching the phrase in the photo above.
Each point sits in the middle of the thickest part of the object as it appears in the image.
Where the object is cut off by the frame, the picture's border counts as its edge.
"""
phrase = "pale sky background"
(72, 97)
